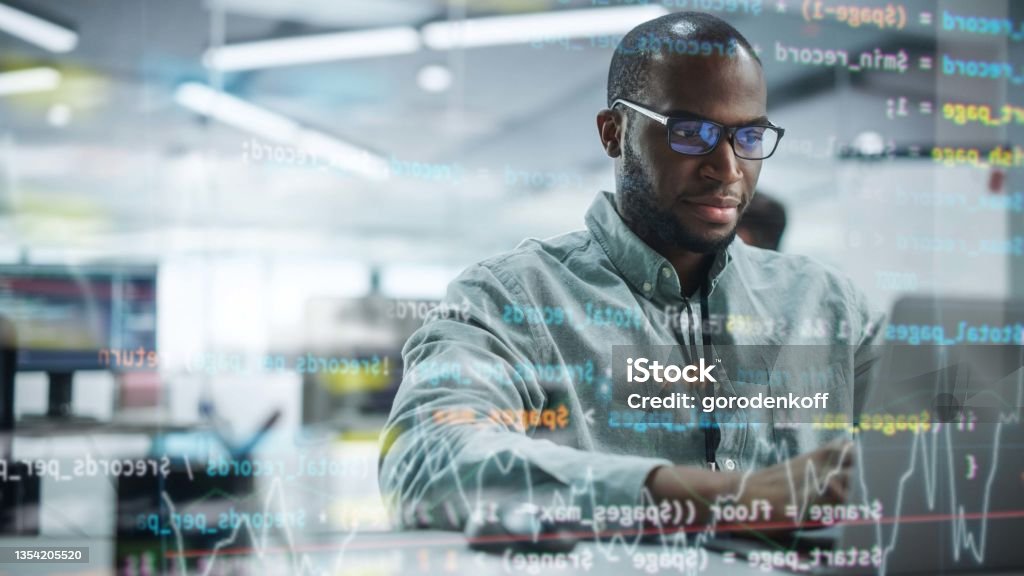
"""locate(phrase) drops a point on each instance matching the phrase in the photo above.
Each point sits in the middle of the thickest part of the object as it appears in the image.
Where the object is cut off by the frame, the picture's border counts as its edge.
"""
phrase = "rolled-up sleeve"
(445, 448)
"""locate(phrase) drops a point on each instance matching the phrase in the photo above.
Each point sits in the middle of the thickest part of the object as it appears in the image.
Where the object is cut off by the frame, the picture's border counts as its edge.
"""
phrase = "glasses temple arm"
(652, 115)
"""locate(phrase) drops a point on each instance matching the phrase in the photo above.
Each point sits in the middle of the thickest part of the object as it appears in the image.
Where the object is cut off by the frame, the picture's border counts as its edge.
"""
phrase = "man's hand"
(818, 477)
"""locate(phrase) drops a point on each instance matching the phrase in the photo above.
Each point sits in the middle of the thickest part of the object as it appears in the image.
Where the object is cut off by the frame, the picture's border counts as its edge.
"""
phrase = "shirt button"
(666, 272)
(647, 287)
(730, 464)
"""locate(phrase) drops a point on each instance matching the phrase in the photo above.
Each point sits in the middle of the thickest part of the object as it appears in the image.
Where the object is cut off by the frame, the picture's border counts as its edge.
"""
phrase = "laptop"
(950, 497)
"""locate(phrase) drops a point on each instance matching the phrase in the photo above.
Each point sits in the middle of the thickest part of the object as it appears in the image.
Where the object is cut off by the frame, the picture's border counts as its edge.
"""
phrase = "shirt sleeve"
(444, 451)
(867, 339)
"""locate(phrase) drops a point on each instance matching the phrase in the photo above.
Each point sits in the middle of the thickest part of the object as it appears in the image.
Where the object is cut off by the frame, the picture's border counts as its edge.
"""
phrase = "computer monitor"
(351, 364)
(70, 318)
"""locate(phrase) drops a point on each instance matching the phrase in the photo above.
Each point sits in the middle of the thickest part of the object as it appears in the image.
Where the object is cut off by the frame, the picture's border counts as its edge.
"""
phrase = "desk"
(398, 553)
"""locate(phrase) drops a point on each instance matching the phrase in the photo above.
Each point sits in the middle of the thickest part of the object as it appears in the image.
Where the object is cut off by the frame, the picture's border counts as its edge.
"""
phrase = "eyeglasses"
(694, 136)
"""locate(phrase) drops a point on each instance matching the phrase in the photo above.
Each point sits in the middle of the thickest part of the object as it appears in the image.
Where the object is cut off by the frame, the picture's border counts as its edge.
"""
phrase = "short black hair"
(627, 74)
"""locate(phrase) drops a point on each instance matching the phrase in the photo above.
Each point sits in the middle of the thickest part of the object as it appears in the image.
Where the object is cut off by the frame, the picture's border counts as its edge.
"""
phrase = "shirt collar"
(643, 268)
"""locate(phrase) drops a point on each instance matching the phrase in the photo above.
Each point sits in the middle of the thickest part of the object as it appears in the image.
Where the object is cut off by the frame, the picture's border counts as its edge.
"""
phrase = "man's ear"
(610, 129)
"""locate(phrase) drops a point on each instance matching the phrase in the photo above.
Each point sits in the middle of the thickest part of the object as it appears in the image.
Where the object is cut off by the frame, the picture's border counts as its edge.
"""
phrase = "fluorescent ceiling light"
(253, 119)
(34, 29)
(521, 29)
(236, 112)
(316, 48)
(343, 155)
(30, 80)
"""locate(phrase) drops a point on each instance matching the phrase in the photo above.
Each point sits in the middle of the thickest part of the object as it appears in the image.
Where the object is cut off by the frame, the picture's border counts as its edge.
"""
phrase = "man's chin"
(704, 238)
(708, 243)
(720, 244)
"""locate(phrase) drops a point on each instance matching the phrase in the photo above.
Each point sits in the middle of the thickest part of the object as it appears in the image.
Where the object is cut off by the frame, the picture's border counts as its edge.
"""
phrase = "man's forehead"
(729, 89)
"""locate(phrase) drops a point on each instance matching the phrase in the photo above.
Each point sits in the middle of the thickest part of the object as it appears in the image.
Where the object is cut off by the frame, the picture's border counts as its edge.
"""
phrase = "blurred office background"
(248, 186)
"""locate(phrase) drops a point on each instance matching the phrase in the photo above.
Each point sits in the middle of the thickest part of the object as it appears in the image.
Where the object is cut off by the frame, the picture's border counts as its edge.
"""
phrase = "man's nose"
(722, 164)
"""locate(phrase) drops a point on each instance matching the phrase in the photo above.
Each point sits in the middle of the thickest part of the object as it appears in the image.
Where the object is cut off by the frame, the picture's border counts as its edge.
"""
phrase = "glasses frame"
(728, 131)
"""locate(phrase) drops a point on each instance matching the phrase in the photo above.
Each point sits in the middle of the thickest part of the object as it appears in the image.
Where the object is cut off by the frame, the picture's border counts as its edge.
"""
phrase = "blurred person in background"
(763, 222)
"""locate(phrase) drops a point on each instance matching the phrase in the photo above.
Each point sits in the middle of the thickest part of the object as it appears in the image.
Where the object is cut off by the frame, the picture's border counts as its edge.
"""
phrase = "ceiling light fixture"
(34, 29)
(254, 119)
(527, 28)
(29, 80)
(314, 48)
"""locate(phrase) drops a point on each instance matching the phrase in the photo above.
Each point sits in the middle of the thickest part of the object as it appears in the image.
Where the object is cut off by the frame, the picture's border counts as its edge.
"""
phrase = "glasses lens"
(693, 136)
(755, 142)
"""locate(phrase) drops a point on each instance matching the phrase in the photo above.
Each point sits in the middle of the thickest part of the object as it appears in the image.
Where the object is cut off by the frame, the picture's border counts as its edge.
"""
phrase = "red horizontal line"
(99, 288)
(458, 539)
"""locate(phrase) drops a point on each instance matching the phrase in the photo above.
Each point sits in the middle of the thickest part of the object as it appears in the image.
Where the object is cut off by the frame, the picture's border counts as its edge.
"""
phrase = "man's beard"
(653, 224)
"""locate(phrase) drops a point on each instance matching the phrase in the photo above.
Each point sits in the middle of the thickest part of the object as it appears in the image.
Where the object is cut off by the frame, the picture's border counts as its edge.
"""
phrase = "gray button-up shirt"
(510, 386)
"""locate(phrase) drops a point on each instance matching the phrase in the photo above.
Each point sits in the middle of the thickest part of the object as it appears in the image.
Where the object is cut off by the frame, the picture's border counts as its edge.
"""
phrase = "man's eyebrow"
(687, 114)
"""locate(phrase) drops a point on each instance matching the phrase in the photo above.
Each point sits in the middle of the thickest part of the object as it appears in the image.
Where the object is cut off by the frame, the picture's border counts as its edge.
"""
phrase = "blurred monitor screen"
(75, 318)
(352, 362)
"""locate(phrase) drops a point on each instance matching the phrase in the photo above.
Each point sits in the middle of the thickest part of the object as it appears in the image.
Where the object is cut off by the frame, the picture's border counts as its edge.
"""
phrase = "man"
(517, 397)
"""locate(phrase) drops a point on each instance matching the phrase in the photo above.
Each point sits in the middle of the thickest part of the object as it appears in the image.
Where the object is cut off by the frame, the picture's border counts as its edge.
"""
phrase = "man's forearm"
(700, 486)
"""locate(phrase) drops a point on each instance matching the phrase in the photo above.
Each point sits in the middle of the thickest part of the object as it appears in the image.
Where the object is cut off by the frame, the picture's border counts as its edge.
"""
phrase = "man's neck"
(691, 267)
